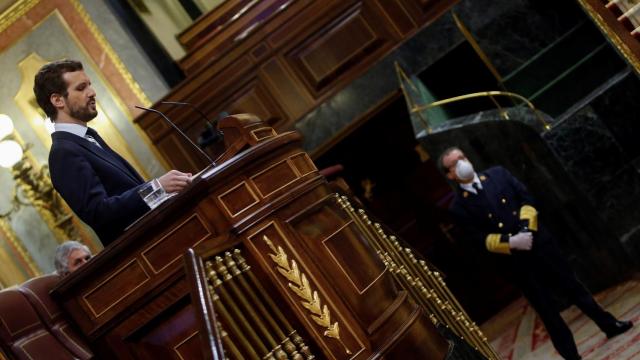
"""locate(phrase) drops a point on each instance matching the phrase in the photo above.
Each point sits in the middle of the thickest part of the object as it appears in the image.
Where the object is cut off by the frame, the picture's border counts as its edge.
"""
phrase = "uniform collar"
(469, 186)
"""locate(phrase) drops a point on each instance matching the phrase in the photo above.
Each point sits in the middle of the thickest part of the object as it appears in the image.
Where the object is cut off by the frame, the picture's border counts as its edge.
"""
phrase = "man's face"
(81, 98)
(77, 258)
(449, 162)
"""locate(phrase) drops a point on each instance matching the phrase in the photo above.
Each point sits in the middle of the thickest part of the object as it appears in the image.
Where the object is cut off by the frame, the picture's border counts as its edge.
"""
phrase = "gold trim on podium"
(299, 284)
(425, 286)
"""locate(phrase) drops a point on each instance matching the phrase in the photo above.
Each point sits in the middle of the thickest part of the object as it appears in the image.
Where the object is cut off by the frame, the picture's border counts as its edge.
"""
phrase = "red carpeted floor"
(517, 333)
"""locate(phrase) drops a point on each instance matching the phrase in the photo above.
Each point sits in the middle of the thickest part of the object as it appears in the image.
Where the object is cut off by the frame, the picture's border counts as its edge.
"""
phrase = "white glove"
(521, 241)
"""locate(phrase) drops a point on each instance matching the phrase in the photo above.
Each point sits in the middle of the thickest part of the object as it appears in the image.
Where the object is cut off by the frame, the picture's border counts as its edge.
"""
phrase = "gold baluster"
(229, 345)
(238, 315)
(378, 242)
(455, 320)
(226, 317)
(231, 272)
(253, 281)
(481, 340)
(433, 300)
(426, 287)
(242, 268)
(346, 206)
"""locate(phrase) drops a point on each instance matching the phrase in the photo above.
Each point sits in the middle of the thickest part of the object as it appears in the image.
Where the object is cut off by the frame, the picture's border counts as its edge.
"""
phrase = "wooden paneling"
(213, 22)
(280, 59)
(255, 99)
(122, 283)
(352, 40)
(160, 256)
(355, 271)
(238, 199)
(398, 15)
(286, 88)
(425, 11)
(346, 250)
(348, 345)
(180, 154)
(302, 162)
(274, 178)
(215, 43)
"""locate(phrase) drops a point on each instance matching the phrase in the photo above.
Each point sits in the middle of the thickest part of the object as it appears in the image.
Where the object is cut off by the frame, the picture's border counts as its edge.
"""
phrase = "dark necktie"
(477, 187)
(92, 136)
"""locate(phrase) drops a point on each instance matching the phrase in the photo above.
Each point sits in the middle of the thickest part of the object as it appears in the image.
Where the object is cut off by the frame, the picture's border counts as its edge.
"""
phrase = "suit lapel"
(120, 159)
(102, 153)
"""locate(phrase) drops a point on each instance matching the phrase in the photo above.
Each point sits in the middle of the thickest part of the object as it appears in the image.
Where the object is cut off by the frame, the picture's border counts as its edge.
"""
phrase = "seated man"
(70, 255)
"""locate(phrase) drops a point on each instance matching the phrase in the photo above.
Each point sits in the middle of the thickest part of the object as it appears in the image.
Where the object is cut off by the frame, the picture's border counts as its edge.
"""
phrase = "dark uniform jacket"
(501, 209)
(98, 184)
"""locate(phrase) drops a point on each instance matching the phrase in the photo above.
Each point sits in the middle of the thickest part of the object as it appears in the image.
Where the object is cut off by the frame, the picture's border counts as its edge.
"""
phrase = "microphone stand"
(176, 128)
(216, 135)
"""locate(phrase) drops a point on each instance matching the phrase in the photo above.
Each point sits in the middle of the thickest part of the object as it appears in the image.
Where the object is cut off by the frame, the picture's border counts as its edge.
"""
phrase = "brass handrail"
(489, 94)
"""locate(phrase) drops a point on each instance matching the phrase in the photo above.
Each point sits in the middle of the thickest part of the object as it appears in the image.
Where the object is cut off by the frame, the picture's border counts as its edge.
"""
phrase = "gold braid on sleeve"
(494, 243)
(530, 214)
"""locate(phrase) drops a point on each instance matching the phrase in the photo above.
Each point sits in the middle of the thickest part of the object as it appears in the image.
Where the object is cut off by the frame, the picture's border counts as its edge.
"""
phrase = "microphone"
(211, 135)
(176, 128)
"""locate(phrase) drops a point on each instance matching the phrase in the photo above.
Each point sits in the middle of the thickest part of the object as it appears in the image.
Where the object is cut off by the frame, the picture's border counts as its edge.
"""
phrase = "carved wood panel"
(255, 98)
(328, 325)
(355, 269)
(424, 11)
(127, 279)
(337, 47)
(286, 88)
(399, 15)
(179, 154)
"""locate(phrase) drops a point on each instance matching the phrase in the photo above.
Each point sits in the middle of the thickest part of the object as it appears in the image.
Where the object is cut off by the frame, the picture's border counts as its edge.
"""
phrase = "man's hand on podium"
(174, 181)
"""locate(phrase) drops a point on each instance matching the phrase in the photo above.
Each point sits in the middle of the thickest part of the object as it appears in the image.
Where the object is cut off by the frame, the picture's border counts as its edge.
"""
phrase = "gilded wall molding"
(32, 269)
(21, 7)
(117, 62)
(615, 39)
(14, 12)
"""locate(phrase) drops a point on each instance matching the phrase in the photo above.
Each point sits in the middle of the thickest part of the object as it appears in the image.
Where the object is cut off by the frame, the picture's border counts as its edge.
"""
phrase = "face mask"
(464, 170)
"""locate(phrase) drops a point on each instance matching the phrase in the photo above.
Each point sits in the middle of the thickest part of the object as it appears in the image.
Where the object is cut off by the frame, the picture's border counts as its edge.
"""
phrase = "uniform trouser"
(547, 268)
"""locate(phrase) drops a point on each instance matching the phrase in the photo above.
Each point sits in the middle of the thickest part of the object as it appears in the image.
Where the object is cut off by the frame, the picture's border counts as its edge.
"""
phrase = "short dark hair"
(49, 81)
(443, 154)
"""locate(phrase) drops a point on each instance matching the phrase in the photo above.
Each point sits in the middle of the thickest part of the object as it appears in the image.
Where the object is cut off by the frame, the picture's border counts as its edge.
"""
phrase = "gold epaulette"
(529, 213)
(493, 244)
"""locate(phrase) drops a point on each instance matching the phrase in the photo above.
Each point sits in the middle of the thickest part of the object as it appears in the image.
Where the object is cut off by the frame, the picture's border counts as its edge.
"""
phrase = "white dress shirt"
(469, 186)
(76, 129)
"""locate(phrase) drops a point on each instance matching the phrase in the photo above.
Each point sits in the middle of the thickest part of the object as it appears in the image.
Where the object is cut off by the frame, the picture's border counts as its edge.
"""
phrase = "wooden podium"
(132, 300)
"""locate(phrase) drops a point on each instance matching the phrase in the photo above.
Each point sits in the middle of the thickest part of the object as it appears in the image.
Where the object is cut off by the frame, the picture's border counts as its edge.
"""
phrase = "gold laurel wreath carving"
(299, 284)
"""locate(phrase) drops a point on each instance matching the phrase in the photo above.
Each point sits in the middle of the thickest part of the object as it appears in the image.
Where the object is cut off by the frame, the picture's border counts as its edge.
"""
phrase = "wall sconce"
(10, 153)
(34, 184)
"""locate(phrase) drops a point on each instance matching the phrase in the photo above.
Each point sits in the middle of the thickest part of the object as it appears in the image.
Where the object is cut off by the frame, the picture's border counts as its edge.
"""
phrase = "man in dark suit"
(98, 184)
(498, 217)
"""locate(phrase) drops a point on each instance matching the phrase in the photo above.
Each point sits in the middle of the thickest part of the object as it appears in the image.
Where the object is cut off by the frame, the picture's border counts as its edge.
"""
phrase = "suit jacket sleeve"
(83, 190)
